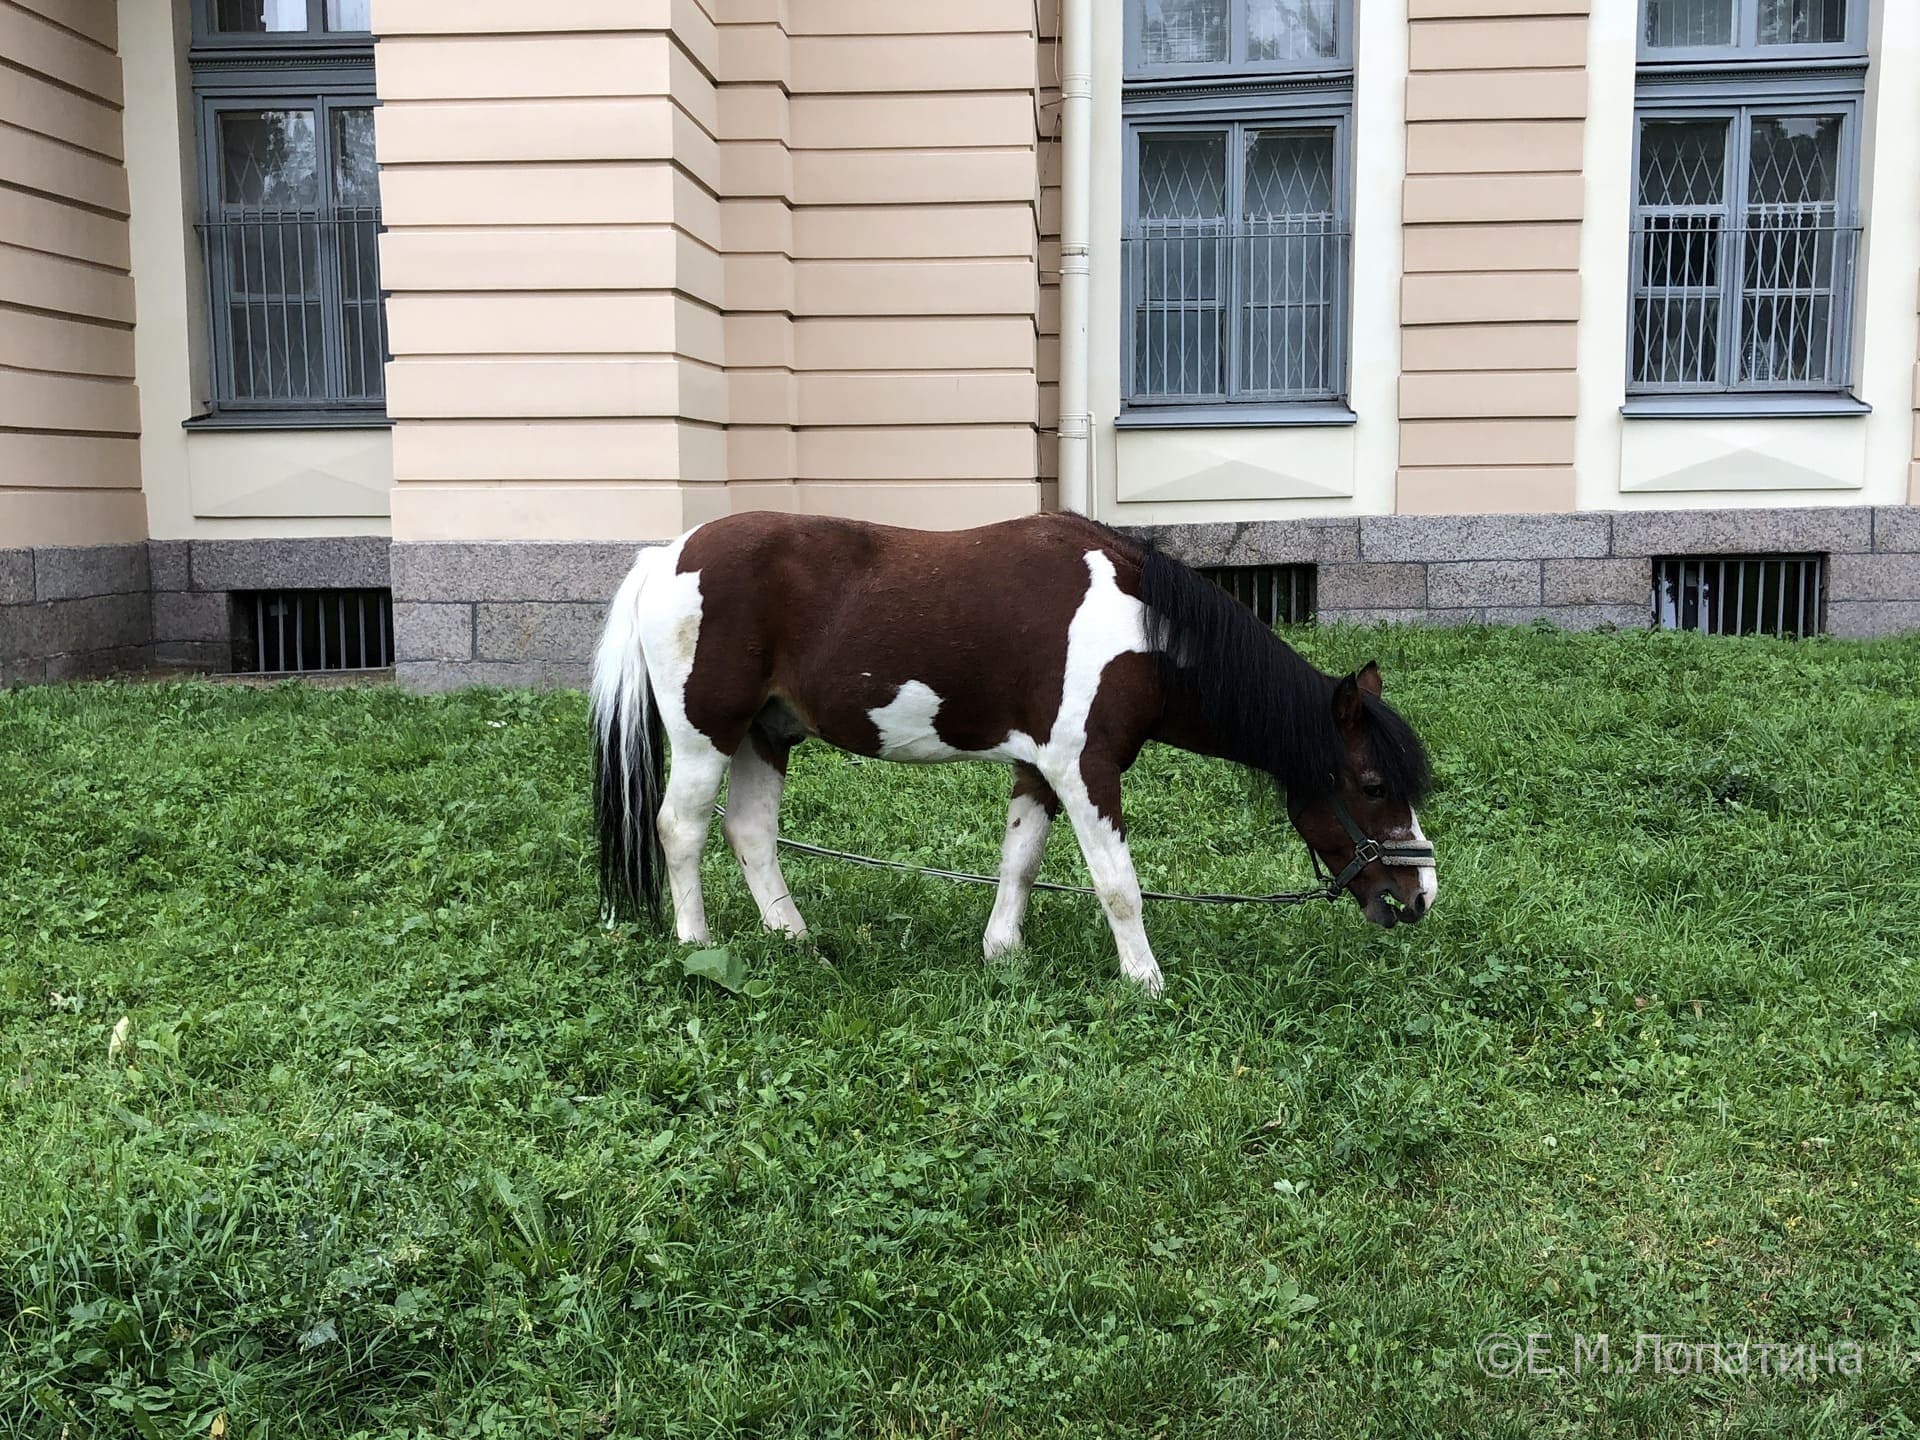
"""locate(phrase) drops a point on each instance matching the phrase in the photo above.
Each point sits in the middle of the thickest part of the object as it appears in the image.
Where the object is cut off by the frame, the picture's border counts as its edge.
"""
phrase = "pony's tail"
(629, 758)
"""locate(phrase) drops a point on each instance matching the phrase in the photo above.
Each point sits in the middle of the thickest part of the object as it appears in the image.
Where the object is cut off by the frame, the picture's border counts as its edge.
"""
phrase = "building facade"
(353, 332)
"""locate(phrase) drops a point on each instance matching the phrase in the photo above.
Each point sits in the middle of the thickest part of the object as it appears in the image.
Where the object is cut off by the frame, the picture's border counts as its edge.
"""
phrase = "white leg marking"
(670, 631)
(1027, 825)
(752, 828)
(1111, 866)
(686, 814)
(1109, 623)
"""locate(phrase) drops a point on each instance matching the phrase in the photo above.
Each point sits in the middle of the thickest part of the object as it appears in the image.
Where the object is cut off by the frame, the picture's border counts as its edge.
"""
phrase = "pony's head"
(1379, 775)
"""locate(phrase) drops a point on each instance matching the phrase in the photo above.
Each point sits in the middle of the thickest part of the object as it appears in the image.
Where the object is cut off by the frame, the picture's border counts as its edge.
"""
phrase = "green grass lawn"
(398, 1141)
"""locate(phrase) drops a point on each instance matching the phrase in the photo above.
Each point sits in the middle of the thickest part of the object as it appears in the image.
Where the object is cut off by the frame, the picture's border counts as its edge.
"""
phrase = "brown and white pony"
(1049, 643)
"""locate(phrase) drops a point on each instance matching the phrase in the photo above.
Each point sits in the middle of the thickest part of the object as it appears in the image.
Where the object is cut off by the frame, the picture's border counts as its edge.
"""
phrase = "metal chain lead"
(823, 852)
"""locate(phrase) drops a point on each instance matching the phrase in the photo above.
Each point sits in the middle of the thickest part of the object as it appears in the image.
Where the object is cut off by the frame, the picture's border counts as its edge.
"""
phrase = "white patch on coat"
(1429, 875)
(1108, 623)
(906, 727)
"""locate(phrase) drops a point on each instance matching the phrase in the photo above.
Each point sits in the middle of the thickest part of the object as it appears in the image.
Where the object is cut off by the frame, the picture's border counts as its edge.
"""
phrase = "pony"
(1049, 643)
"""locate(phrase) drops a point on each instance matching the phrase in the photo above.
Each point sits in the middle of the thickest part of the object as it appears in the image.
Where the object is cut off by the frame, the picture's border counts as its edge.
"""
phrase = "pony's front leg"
(1091, 796)
(1029, 819)
(686, 813)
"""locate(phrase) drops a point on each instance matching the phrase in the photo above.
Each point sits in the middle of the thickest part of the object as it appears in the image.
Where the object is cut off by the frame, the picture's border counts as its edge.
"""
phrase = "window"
(290, 209)
(1236, 244)
(1746, 228)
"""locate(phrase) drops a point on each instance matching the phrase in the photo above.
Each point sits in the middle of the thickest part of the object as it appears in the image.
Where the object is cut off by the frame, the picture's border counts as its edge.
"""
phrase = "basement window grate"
(1278, 594)
(1779, 595)
(307, 632)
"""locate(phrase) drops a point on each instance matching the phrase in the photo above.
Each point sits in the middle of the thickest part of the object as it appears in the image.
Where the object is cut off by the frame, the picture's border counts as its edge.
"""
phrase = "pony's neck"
(1185, 726)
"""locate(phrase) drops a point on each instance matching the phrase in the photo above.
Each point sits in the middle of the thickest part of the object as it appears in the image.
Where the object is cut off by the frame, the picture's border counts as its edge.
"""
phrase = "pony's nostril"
(1417, 906)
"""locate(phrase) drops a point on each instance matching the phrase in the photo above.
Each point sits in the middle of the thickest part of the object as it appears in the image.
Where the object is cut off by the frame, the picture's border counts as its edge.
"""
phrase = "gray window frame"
(318, 70)
(1234, 66)
(1737, 85)
(1238, 99)
(1746, 45)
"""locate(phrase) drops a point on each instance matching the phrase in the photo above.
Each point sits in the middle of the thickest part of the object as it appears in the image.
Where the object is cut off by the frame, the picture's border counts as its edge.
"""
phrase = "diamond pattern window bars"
(1236, 246)
(1745, 236)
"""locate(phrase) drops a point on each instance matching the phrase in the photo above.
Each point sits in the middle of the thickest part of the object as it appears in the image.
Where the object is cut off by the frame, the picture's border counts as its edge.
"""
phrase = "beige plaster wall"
(650, 262)
(69, 411)
(1489, 391)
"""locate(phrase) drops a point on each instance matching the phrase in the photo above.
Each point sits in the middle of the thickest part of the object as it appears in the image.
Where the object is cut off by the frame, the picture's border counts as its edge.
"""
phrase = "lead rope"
(1279, 897)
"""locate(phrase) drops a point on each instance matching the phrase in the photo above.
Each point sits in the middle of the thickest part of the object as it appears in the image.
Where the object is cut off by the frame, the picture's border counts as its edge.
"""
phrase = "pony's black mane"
(1265, 706)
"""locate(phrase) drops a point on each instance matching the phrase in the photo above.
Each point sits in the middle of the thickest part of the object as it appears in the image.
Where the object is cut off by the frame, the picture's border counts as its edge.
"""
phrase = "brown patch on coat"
(830, 618)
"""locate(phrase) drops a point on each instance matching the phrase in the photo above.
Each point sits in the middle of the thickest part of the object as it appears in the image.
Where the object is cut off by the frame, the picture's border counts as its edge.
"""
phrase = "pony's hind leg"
(686, 812)
(752, 829)
(1029, 819)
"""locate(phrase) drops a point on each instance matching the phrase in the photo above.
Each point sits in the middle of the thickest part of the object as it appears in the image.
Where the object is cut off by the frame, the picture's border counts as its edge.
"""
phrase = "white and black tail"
(629, 759)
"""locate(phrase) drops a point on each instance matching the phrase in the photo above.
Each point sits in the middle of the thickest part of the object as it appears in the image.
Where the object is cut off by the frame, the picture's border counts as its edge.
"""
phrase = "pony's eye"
(1374, 790)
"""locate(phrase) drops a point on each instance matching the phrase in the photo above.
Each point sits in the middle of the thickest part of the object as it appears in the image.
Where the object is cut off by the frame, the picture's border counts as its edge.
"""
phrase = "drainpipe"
(1076, 229)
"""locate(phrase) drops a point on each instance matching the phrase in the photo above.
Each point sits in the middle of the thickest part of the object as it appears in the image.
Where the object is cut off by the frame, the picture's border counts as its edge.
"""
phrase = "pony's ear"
(1348, 708)
(1369, 679)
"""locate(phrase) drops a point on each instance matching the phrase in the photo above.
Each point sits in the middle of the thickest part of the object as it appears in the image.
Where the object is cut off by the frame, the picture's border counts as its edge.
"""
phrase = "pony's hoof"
(994, 946)
(1150, 980)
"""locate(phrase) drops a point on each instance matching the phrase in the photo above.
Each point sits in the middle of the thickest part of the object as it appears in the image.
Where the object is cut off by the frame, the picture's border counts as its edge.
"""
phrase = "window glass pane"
(1183, 177)
(1793, 252)
(1292, 31)
(1288, 257)
(1177, 267)
(268, 158)
(1680, 238)
(1803, 22)
(1796, 161)
(1678, 23)
(356, 174)
(356, 190)
(1683, 162)
(1183, 32)
(269, 166)
(349, 14)
(253, 17)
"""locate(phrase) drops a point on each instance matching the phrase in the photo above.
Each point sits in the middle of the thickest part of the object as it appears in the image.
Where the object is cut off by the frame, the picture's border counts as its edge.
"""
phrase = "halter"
(1414, 854)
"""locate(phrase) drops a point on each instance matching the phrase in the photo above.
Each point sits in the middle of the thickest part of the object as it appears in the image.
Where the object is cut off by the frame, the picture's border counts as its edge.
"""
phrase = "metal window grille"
(304, 632)
(296, 308)
(1746, 234)
(1236, 245)
(1278, 594)
(1238, 315)
(1742, 263)
(1779, 595)
(289, 206)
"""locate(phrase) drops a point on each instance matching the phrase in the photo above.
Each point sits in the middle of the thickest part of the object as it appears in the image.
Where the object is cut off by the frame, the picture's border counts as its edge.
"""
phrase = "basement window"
(1779, 595)
(306, 632)
(1278, 594)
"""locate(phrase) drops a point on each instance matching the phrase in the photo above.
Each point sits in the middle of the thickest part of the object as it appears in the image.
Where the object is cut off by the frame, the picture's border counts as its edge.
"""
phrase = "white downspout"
(1076, 230)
